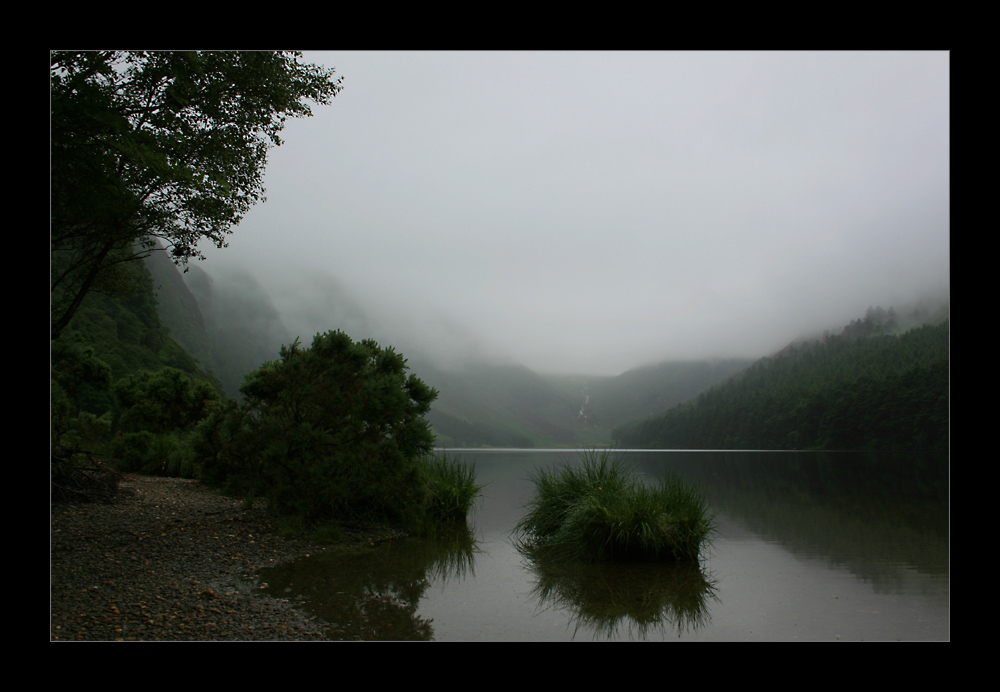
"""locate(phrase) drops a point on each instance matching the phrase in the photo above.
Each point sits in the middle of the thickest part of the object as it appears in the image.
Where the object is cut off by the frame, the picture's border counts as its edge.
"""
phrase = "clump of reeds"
(599, 510)
(452, 487)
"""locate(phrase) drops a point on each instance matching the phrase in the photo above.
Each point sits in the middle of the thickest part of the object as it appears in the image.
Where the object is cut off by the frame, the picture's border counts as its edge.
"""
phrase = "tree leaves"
(169, 144)
(336, 429)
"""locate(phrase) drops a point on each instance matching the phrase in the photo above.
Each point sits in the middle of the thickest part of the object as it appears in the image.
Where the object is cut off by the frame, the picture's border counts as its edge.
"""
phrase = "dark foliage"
(862, 389)
(331, 432)
(159, 144)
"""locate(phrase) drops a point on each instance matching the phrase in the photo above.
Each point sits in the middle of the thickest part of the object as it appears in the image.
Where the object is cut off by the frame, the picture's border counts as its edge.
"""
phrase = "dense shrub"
(161, 402)
(159, 454)
(77, 379)
(155, 413)
(334, 432)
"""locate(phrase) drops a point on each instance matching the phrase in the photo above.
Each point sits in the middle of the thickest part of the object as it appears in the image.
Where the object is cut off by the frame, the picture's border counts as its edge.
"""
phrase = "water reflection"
(876, 514)
(634, 600)
(374, 594)
(812, 546)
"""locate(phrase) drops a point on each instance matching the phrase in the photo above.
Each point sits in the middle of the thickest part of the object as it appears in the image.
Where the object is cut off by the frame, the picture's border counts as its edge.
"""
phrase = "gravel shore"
(169, 560)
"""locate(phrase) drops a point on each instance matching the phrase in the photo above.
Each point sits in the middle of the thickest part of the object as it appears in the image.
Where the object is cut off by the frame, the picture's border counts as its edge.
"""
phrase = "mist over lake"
(593, 212)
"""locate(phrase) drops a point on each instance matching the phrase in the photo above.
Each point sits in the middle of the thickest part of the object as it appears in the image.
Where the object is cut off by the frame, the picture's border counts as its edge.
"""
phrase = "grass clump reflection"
(600, 511)
(636, 600)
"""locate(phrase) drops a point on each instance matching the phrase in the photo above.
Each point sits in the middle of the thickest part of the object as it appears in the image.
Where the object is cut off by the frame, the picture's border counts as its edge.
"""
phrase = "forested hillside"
(123, 388)
(513, 406)
(231, 327)
(861, 389)
(607, 402)
(500, 406)
(127, 334)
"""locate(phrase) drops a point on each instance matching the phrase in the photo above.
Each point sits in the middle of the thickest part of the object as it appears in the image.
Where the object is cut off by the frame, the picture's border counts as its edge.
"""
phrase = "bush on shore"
(335, 433)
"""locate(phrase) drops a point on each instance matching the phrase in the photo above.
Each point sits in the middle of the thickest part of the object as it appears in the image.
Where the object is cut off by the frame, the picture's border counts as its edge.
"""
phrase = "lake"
(811, 546)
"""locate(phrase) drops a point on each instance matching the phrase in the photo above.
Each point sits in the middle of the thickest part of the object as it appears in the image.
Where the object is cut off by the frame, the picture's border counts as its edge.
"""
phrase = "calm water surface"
(812, 546)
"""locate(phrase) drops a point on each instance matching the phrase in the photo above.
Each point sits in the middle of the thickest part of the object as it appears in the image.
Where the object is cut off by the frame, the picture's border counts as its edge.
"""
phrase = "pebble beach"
(169, 560)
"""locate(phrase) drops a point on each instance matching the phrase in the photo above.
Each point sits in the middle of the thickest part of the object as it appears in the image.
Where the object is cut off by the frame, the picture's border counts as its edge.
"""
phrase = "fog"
(588, 212)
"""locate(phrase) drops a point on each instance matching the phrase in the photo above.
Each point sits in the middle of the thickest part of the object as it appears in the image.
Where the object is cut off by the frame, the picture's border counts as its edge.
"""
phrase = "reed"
(452, 487)
(599, 510)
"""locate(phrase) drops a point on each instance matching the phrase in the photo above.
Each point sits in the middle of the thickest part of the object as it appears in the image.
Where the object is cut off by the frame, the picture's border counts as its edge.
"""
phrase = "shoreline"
(169, 560)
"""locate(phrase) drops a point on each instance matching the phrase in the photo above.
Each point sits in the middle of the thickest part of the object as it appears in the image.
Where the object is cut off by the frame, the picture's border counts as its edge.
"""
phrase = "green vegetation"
(863, 389)
(335, 432)
(157, 152)
(453, 488)
(483, 405)
(115, 398)
(159, 145)
(600, 511)
(156, 413)
(123, 389)
(149, 150)
(126, 333)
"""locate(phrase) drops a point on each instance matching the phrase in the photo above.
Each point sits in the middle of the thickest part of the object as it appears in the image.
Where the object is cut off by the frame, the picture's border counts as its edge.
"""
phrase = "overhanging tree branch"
(166, 145)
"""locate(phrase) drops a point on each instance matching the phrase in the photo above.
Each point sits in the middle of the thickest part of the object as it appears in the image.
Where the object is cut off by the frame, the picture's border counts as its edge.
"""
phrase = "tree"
(335, 431)
(160, 145)
(77, 377)
(156, 412)
(164, 401)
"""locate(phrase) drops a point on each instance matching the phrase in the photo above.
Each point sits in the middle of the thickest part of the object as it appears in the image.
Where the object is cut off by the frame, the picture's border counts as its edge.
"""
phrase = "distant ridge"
(868, 387)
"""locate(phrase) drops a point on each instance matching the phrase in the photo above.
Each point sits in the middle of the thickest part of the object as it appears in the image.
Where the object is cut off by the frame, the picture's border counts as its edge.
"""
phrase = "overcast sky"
(589, 212)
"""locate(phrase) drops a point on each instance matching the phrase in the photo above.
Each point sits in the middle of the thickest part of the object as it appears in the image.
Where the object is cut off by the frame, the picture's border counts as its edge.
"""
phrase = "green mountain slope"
(129, 335)
(607, 402)
(512, 406)
(498, 406)
(230, 326)
(862, 389)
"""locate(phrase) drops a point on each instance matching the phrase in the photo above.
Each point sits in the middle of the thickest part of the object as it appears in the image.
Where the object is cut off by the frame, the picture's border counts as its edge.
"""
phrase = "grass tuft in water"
(453, 487)
(599, 510)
